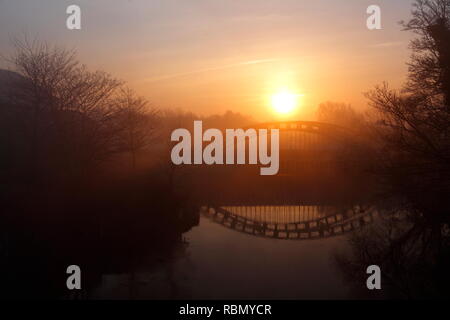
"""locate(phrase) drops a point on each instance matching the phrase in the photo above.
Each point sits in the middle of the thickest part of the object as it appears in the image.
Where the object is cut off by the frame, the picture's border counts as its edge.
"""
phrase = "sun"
(284, 102)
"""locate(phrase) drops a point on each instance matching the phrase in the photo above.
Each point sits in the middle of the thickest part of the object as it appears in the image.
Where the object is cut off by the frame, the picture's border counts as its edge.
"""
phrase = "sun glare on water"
(284, 102)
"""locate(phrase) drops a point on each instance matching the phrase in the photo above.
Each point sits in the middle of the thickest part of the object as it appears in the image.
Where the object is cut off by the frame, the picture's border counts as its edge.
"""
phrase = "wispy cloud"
(386, 44)
(193, 72)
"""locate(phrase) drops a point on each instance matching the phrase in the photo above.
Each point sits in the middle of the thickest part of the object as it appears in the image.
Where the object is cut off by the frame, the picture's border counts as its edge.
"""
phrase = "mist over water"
(219, 263)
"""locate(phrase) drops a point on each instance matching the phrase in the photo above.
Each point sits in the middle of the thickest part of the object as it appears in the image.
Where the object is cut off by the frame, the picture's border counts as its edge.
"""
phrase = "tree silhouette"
(410, 242)
(65, 110)
(136, 123)
(415, 130)
(429, 66)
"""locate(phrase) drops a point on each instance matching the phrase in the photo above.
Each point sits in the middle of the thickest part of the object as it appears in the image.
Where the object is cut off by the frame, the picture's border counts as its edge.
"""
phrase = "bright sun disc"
(284, 102)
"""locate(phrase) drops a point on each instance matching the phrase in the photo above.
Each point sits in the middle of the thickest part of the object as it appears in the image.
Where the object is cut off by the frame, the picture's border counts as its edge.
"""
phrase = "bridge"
(319, 168)
(313, 145)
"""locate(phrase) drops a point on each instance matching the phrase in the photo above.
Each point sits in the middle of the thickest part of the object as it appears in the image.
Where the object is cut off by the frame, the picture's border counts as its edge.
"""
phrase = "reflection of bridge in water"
(313, 196)
(290, 222)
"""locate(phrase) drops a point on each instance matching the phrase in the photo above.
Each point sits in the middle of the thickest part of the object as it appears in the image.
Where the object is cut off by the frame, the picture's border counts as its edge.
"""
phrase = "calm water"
(220, 263)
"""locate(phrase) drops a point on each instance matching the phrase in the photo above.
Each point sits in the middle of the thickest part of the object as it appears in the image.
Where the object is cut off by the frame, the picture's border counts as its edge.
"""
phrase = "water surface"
(216, 262)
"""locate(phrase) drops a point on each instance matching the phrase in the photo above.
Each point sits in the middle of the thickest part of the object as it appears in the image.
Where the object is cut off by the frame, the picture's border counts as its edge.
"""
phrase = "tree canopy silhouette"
(410, 242)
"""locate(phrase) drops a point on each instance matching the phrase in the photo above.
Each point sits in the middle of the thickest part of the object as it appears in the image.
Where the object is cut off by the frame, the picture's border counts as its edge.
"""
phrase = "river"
(216, 262)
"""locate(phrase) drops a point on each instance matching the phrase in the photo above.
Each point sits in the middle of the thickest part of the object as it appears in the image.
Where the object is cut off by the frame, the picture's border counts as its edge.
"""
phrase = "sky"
(209, 56)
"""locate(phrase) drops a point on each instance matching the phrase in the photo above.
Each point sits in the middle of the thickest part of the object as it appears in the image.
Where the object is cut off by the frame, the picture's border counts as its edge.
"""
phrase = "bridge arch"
(311, 155)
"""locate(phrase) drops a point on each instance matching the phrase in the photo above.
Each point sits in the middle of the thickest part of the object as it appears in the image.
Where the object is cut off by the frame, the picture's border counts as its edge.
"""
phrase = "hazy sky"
(208, 56)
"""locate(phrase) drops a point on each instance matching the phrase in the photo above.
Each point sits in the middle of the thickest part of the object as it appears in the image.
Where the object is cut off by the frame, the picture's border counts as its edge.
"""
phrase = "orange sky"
(209, 56)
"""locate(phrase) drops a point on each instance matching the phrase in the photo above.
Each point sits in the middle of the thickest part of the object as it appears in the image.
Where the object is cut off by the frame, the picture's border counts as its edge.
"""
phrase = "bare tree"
(66, 109)
(430, 62)
(341, 114)
(135, 121)
(415, 127)
(414, 161)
